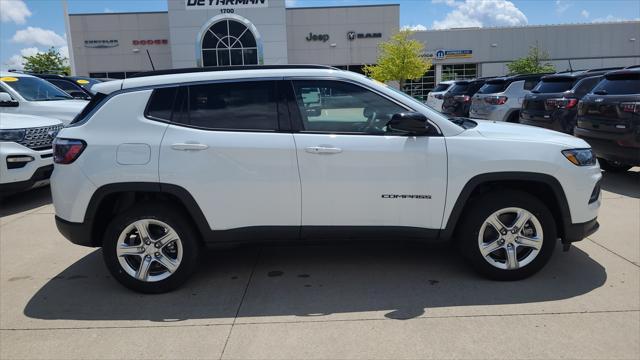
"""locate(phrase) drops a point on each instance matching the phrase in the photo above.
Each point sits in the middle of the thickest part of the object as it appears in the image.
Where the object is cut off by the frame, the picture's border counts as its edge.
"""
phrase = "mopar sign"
(100, 44)
(224, 4)
(443, 54)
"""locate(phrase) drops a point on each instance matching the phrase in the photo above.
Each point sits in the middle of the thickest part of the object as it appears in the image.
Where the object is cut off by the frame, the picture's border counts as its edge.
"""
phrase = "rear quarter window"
(161, 103)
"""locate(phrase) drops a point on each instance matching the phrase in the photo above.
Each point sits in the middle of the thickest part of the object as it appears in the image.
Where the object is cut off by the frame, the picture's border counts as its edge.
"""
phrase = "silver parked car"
(500, 99)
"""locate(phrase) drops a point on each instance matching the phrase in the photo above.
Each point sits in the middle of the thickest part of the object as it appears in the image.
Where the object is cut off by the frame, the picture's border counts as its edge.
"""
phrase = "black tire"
(480, 209)
(611, 166)
(514, 117)
(153, 211)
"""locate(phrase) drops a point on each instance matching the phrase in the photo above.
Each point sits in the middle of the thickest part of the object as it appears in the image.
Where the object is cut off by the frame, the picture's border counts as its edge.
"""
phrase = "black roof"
(579, 74)
(633, 67)
(228, 68)
(621, 73)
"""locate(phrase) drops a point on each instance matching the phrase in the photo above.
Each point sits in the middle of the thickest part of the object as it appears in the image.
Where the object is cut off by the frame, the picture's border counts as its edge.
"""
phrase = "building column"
(438, 74)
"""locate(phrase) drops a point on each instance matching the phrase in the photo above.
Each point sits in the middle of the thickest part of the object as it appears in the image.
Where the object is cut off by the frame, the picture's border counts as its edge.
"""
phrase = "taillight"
(496, 100)
(562, 103)
(632, 107)
(581, 108)
(464, 98)
(66, 151)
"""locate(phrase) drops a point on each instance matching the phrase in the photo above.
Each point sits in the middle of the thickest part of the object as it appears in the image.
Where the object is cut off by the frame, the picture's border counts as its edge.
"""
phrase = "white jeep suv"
(164, 164)
(26, 158)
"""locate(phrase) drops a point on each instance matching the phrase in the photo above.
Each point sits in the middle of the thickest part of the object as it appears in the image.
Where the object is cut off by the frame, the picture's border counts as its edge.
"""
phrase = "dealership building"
(245, 32)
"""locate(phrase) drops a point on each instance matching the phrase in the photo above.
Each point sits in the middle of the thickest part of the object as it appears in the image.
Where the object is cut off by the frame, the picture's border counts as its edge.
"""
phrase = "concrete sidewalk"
(382, 301)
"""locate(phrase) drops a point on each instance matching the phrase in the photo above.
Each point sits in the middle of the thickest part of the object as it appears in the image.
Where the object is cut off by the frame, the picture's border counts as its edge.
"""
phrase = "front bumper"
(77, 233)
(577, 232)
(39, 178)
(31, 174)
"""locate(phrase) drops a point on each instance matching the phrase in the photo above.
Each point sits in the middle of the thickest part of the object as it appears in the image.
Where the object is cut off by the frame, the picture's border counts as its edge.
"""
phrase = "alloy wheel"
(510, 238)
(149, 250)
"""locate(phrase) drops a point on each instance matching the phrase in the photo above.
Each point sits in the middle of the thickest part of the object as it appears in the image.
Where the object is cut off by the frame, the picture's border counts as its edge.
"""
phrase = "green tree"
(47, 62)
(537, 61)
(400, 60)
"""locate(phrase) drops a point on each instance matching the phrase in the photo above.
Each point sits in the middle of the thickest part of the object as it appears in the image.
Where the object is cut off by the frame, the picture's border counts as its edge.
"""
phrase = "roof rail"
(228, 68)
(605, 69)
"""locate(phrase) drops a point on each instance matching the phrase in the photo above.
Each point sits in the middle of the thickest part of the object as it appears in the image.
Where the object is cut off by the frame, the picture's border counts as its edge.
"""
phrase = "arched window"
(229, 42)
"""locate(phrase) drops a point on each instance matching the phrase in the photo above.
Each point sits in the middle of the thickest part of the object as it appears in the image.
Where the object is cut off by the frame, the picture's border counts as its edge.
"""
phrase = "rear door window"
(250, 105)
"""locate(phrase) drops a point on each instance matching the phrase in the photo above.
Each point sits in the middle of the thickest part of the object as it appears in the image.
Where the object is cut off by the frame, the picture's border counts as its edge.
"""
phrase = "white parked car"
(29, 95)
(435, 98)
(500, 99)
(26, 158)
(164, 164)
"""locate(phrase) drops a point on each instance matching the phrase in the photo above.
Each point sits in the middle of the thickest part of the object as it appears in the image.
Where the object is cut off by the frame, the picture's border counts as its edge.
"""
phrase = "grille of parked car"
(40, 138)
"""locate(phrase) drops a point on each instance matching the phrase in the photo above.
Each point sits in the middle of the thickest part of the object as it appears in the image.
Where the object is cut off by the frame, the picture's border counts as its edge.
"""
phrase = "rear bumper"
(77, 233)
(39, 178)
(606, 146)
(577, 232)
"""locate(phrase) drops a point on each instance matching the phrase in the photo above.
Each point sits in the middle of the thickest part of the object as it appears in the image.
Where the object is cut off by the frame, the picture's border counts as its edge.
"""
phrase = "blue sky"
(29, 26)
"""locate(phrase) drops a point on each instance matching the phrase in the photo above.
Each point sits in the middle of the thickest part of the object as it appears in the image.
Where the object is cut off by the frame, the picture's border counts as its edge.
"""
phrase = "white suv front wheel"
(507, 235)
(150, 248)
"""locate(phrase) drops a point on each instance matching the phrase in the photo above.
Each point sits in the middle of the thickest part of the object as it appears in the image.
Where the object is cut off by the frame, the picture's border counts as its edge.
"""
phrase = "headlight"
(580, 157)
(12, 135)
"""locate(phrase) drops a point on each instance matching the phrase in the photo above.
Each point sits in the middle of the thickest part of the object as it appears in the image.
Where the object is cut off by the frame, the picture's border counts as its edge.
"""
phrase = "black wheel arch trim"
(185, 198)
(478, 180)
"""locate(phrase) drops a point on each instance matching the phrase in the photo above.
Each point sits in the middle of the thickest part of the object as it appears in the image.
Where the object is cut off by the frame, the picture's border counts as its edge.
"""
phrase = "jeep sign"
(224, 4)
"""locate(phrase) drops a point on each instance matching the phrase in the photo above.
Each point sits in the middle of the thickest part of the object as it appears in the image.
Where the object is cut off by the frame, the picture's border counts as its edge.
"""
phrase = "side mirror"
(410, 123)
(7, 101)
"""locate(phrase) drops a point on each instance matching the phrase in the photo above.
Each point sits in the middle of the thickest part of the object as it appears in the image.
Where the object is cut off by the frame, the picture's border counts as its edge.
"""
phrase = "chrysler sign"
(224, 4)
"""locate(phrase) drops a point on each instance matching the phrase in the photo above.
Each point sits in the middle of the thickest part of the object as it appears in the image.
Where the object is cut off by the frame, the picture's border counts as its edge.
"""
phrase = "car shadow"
(624, 183)
(402, 281)
(25, 201)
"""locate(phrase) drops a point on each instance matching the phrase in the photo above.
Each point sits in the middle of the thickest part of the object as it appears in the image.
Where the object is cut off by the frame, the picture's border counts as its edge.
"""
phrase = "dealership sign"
(352, 35)
(442, 54)
(150, 42)
(317, 37)
(224, 4)
(100, 43)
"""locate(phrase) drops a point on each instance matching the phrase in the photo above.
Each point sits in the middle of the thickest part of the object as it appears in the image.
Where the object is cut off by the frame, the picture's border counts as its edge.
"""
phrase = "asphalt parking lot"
(397, 301)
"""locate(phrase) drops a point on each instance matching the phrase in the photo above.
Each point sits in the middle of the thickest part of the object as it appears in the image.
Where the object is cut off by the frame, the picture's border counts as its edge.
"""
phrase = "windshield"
(493, 87)
(35, 89)
(553, 86)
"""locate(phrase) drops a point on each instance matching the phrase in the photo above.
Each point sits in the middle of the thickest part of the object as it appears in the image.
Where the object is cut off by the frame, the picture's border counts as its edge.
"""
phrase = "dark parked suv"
(68, 85)
(457, 100)
(609, 120)
(553, 103)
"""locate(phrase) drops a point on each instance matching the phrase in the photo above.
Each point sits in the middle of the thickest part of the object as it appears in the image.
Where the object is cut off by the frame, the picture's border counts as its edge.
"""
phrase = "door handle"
(322, 150)
(189, 146)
